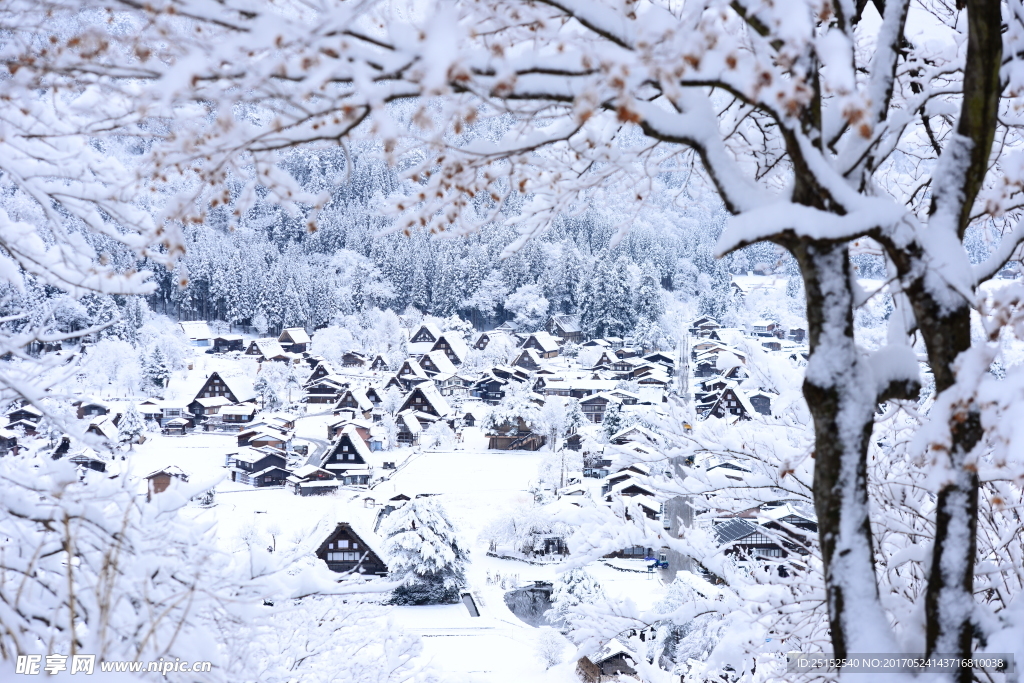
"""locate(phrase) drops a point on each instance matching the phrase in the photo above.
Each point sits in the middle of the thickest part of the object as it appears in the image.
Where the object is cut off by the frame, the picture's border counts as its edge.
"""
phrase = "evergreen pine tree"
(716, 295)
(648, 304)
(134, 314)
(574, 417)
(131, 426)
(424, 553)
(613, 419)
(156, 370)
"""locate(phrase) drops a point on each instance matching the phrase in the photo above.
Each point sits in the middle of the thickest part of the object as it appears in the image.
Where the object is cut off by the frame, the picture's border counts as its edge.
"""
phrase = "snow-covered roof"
(611, 649)
(357, 442)
(611, 398)
(297, 335)
(431, 329)
(455, 343)
(441, 362)
(409, 418)
(172, 470)
(249, 454)
(213, 401)
(245, 409)
(105, 425)
(531, 355)
(568, 323)
(431, 395)
(412, 368)
(362, 402)
(265, 470)
(269, 347)
(305, 471)
(782, 511)
(636, 432)
(196, 329)
(625, 484)
(240, 386)
(261, 429)
(316, 483)
(582, 384)
(546, 342)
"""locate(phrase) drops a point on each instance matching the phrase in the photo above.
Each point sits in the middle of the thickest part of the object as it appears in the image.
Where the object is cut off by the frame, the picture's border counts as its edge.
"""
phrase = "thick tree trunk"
(949, 599)
(841, 399)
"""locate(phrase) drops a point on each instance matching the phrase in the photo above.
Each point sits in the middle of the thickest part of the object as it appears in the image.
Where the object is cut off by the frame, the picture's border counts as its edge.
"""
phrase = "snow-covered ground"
(474, 485)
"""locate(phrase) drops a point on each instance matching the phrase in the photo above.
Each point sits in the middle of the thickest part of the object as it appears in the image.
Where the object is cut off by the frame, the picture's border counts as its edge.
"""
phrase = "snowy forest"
(403, 341)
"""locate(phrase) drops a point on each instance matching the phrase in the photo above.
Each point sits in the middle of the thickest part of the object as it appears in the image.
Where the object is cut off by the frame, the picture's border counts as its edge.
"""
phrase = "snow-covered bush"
(328, 639)
(424, 552)
(438, 437)
(571, 593)
(551, 646)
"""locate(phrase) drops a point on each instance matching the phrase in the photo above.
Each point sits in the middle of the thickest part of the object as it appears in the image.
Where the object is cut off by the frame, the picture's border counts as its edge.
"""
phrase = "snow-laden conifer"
(424, 552)
(131, 426)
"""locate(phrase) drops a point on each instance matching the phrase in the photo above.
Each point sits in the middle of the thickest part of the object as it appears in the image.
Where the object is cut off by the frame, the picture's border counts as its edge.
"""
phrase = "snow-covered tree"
(260, 323)
(571, 590)
(529, 307)
(517, 408)
(131, 426)
(156, 369)
(391, 400)
(551, 646)
(614, 419)
(269, 398)
(390, 427)
(424, 552)
(438, 436)
(328, 639)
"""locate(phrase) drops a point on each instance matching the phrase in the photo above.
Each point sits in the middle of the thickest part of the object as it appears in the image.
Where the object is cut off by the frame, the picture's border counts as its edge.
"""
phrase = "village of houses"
(326, 469)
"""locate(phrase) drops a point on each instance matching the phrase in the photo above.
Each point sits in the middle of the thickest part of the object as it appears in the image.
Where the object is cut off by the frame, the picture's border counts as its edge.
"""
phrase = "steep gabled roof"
(455, 345)
(568, 323)
(440, 361)
(431, 395)
(411, 368)
(430, 328)
(362, 402)
(546, 342)
(361, 449)
(294, 335)
(364, 536)
(240, 386)
(268, 347)
(530, 354)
